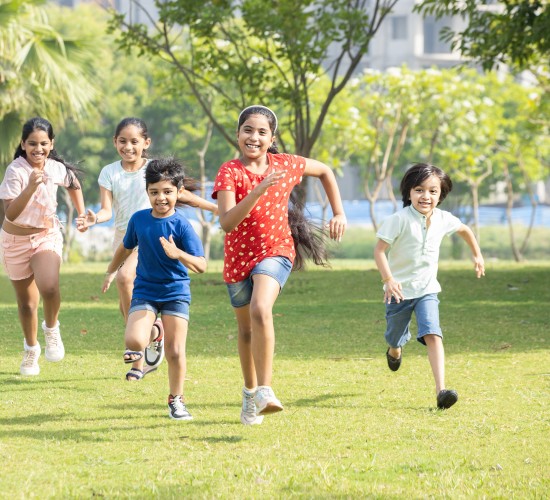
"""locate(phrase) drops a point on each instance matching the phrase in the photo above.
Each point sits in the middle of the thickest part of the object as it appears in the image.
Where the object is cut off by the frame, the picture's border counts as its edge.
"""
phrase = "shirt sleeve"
(452, 223)
(12, 185)
(104, 179)
(130, 238)
(225, 180)
(390, 229)
(189, 240)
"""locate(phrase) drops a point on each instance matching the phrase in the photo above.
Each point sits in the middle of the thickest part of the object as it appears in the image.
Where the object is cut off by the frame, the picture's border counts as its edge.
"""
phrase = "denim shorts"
(179, 308)
(278, 268)
(398, 318)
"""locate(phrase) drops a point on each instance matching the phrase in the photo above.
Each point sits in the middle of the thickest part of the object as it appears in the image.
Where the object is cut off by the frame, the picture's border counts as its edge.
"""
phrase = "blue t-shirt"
(158, 277)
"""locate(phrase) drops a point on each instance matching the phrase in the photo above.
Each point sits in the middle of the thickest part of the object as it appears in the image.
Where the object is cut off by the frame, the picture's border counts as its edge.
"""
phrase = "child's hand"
(35, 179)
(272, 179)
(393, 289)
(337, 227)
(109, 277)
(479, 266)
(84, 221)
(170, 247)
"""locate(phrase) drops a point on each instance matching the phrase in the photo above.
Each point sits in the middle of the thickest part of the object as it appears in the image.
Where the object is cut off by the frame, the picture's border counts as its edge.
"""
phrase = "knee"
(245, 334)
(175, 355)
(432, 339)
(124, 279)
(50, 292)
(27, 308)
(261, 314)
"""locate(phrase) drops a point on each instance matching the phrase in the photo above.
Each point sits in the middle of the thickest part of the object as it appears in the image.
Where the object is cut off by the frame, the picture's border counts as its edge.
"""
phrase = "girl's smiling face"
(130, 144)
(37, 147)
(254, 137)
(425, 197)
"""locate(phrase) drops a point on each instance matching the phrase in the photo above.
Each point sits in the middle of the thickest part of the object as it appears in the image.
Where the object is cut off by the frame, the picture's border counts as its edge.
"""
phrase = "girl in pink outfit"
(32, 241)
(264, 241)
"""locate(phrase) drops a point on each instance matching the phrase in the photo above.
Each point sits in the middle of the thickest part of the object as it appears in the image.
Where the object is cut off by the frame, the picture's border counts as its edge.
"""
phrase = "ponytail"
(309, 239)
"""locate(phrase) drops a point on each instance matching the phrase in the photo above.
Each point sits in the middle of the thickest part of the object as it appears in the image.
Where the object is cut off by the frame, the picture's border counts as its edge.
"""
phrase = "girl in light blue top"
(122, 190)
(407, 254)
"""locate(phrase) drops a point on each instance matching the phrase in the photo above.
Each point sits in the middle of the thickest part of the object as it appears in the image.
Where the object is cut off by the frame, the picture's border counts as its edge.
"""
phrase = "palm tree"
(42, 71)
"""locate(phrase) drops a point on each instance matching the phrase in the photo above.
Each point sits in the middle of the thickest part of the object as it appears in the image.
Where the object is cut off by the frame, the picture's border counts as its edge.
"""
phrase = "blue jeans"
(398, 318)
(179, 308)
(278, 268)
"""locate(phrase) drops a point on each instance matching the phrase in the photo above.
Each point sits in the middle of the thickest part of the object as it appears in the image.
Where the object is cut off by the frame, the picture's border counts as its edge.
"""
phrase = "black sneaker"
(177, 408)
(394, 363)
(446, 399)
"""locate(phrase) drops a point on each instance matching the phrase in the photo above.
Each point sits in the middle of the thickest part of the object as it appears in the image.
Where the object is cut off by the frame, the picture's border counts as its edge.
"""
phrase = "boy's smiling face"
(163, 196)
(425, 197)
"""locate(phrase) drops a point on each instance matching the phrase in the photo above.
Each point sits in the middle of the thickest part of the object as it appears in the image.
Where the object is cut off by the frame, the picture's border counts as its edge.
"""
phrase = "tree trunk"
(206, 223)
(509, 205)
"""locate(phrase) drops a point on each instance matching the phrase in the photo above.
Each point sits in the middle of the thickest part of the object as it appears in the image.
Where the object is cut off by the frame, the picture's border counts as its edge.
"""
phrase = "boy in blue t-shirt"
(167, 248)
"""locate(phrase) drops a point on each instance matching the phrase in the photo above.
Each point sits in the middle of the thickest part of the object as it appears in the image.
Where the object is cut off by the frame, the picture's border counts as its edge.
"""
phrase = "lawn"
(351, 428)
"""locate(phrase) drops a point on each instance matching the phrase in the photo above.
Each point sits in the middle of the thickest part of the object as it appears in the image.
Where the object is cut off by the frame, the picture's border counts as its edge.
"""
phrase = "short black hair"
(417, 174)
(171, 170)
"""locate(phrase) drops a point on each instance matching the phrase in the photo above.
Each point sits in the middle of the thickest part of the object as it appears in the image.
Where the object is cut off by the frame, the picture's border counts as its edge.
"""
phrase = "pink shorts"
(18, 250)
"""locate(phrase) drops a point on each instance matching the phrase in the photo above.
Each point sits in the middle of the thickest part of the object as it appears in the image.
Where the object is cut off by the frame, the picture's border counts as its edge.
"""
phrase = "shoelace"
(30, 358)
(178, 404)
(249, 405)
(52, 339)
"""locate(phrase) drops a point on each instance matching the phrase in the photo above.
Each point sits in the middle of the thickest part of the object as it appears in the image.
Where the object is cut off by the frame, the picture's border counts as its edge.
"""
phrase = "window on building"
(399, 28)
(432, 33)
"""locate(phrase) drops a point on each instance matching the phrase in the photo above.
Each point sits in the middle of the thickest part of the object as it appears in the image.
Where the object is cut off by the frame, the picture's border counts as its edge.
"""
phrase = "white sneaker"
(55, 350)
(248, 412)
(265, 401)
(29, 365)
(177, 409)
(154, 352)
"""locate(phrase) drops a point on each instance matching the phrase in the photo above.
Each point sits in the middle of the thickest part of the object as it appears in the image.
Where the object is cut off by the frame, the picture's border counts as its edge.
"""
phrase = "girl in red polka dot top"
(264, 241)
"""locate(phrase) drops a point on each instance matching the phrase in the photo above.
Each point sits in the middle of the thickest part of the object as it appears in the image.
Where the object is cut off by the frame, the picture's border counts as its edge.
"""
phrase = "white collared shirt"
(414, 248)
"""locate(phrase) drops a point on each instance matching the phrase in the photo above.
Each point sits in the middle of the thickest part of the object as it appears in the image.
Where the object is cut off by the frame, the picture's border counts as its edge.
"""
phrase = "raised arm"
(232, 213)
(338, 223)
(468, 236)
(193, 200)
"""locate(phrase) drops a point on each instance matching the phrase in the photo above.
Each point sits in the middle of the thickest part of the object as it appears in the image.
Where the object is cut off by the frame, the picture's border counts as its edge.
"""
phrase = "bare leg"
(125, 285)
(436, 356)
(264, 295)
(28, 298)
(138, 332)
(245, 347)
(175, 330)
(46, 266)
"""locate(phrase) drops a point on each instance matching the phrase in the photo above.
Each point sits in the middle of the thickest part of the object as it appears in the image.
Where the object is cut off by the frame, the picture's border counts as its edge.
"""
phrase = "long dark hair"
(309, 239)
(171, 170)
(417, 174)
(38, 123)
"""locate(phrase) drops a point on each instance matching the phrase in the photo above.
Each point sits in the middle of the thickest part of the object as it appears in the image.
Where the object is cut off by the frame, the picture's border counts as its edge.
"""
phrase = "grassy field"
(350, 429)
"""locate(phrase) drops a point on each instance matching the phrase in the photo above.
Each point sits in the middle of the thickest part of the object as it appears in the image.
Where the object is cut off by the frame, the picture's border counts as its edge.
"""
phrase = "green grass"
(350, 429)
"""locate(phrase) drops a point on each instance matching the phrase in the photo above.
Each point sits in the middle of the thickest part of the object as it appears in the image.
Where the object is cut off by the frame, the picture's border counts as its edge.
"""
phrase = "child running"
(122, 189)
(412, 237)
(32, 241)
(263, 241)
(167, 247)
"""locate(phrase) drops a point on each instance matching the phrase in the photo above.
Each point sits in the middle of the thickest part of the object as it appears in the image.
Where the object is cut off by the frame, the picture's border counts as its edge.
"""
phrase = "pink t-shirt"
(264, 232)
(40, 211)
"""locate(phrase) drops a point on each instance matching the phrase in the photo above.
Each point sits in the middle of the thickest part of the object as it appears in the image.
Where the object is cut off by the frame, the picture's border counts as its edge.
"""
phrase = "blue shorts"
(278, 268)
(179, 308)
(398, 318)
